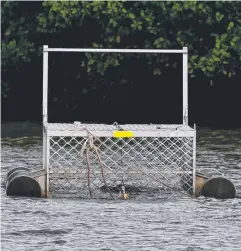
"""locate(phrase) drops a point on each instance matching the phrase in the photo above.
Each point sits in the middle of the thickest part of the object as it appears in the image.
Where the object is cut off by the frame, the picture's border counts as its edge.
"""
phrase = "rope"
(91, 146)
(88, 165)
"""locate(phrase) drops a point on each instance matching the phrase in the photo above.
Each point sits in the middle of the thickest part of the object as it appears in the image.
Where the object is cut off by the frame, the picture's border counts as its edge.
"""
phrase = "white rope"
(89, 145)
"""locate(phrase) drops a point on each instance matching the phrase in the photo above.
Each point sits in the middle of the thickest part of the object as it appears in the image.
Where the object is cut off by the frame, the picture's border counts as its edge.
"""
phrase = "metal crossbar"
(113, 50)
(89, 160)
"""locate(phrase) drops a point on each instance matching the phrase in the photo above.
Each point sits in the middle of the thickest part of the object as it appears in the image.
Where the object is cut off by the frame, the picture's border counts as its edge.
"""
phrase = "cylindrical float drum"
(19, 182)
(220, 188)
(216, 187)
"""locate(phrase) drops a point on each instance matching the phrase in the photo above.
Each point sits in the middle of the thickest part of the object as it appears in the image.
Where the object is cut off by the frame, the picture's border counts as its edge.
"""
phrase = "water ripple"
(175, 224)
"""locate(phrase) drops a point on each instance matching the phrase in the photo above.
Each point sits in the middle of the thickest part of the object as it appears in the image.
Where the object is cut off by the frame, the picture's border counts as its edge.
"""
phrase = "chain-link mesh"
(153, 166)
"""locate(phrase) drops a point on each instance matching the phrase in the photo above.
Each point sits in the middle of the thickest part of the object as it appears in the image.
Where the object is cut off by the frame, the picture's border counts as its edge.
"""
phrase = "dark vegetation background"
(125, 88)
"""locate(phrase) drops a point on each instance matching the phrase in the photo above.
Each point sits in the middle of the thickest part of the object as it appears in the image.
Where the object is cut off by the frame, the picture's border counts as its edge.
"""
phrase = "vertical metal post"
(45, 116)
(47, 152)
(194, 161)
(185, 86)
(45, 84)
(44, 147)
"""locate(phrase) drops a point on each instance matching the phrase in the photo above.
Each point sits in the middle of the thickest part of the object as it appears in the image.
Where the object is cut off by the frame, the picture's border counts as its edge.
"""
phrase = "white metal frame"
(46, 50)
(187, 131)
(101, 130)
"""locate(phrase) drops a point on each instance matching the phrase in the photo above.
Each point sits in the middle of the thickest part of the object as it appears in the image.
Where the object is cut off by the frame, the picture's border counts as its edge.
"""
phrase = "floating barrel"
(219, 188)
(20, 183)
(215, 187)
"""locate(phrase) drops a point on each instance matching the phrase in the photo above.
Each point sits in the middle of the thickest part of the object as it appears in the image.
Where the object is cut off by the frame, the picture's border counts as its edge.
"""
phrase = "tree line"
(210, 30)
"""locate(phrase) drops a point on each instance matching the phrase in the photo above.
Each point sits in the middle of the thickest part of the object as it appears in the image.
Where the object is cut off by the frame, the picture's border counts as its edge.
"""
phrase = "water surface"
(171, 224)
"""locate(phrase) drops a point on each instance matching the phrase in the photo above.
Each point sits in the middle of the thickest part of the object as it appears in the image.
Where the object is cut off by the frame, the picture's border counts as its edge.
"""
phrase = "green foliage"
(210, 30)
(59, 15)
(219, 16)
(159, 26)
(16, 47)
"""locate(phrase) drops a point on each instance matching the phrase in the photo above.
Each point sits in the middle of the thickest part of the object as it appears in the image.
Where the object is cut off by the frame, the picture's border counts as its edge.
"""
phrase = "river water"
(172, 224)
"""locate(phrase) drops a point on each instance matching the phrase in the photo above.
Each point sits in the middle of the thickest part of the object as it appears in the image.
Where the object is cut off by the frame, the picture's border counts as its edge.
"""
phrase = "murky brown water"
(173, 224)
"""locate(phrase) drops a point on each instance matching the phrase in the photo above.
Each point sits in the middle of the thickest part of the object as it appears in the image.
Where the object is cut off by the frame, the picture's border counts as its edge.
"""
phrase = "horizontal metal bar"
(57, 172)
(183, 51)
(109, 134)
(78, 126)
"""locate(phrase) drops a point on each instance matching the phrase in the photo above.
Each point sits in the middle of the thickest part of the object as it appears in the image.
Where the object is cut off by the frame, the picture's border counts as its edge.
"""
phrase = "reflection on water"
(173, 224)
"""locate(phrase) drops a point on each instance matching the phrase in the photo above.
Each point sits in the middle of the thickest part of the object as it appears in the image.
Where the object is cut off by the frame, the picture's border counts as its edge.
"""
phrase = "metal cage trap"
(104, 161)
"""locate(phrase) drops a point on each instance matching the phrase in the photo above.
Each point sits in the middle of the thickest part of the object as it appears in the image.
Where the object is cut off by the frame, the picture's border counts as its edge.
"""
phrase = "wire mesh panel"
(90, 161)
